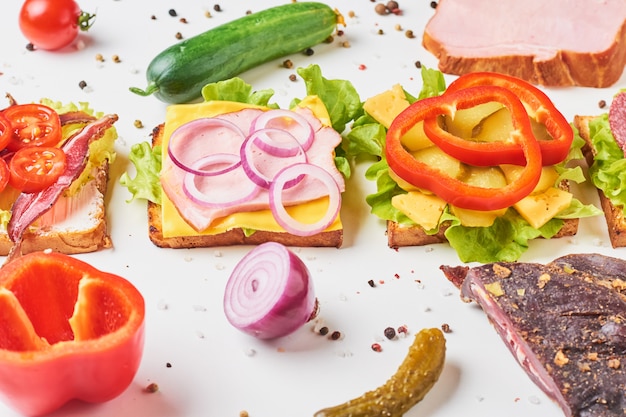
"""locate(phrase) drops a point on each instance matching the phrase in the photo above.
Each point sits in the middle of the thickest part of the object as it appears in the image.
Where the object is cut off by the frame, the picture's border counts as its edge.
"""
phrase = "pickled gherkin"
(416, 375)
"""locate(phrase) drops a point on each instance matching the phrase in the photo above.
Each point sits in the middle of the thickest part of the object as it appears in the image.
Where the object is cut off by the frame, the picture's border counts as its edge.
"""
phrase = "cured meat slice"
(565, 323)
(554, 43)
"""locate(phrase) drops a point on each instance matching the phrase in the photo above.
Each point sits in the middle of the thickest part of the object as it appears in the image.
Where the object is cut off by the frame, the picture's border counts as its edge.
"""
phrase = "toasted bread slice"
(614, 216)
(400, 235)
(330, 238)
(85, 230)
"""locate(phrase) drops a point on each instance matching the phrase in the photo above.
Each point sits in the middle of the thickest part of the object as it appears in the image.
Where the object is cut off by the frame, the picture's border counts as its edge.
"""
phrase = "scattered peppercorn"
(172, 12)
(336, 335)
(99, 58)
(345, 44)
(381, 32)
(207, 14)
(392, 5)
(339, 32)
(178, 35)
(168, 365)
(381, 9)
(446, 328)
(116, 59)
(362, 67)
(82, 84)
(323, 331)
(153, 17)
(30, 47)
(292, 77)
(403, 330)
(390, 333)
(309, 51)
(182, 20)
(351, 13)
(433, 4)
(376, 347)
(398, 27)
(217, 8)
(329, 39)
(243, 413)
(288, 63)
(371, 283)
(602, 104)
(152, 388)
(409, 34)
(138, 124)
(418, 64)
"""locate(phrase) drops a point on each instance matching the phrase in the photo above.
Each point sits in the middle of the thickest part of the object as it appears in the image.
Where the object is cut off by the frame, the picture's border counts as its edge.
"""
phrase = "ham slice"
(236, 182)
(553, 43)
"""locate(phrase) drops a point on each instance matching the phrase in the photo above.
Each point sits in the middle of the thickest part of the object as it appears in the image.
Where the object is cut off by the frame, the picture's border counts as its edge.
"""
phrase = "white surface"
(213, 372)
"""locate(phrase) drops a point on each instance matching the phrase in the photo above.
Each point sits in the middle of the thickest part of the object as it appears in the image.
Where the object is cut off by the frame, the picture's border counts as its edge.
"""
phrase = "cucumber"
(177, 74)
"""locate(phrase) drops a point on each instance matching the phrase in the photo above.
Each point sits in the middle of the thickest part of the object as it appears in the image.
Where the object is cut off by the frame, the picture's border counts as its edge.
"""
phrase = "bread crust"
(615, 221)
(233, 237)
(399, 235)
(69, 242)
(567, 68)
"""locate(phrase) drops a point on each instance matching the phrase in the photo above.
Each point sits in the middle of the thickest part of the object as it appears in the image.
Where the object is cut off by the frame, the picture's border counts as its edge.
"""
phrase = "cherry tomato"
(33, 124)
(52, 24)
(5, 132)
(35, 168)
(4, 174)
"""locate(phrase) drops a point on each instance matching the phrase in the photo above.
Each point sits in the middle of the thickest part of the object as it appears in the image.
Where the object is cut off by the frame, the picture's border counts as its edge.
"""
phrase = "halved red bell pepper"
(536, 104)
(452, 190)
(67, 331)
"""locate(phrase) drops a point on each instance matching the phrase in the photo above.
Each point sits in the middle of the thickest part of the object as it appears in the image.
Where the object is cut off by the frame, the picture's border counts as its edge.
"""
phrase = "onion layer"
(190, 140)
(287, 121)
(284, 219)
(270, 293)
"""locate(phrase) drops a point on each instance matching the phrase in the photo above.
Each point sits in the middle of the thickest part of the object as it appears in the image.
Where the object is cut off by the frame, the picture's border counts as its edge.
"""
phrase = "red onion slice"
(262, 166)
(218, 191)
(288, 121)
(270, 292)
(284, 219)
(191, 140)
(276, 142)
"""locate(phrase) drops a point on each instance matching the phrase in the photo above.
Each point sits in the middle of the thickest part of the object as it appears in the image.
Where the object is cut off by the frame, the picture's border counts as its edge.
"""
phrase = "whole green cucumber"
(177, 74)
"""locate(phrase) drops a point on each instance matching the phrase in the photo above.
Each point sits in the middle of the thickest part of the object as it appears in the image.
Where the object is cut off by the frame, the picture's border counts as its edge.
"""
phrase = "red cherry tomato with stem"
(32, 124)
(53, 24)
(35, 168)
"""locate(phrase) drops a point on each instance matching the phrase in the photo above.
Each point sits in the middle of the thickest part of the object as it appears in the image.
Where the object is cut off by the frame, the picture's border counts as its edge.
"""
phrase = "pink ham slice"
(200, 217)
(553, 43)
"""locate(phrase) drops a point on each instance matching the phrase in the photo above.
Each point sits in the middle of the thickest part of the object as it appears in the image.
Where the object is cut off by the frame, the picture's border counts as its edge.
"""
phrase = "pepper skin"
(537, 105)
(67, 331)
(452, 190)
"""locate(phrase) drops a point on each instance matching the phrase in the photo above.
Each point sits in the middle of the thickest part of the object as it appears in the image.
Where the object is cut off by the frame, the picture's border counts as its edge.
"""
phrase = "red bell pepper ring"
(67, 331)
(452, 190)
(537, 105)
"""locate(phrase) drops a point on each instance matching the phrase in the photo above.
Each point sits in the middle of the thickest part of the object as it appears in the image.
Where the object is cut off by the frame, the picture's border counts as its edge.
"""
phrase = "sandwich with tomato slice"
(605, 141)
(235, 169)
(53, 177)
(483, 164)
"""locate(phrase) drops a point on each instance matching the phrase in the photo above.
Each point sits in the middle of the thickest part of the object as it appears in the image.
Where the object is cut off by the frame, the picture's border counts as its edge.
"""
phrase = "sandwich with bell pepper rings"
(53, 177)
(605, 141)
(235, 169)
(483, 164)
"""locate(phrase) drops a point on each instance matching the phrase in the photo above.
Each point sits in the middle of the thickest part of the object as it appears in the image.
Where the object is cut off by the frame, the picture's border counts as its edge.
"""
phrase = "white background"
(213, 372)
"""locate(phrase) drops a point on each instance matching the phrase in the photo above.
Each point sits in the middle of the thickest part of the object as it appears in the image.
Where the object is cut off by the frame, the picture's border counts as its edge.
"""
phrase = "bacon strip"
(29, 206)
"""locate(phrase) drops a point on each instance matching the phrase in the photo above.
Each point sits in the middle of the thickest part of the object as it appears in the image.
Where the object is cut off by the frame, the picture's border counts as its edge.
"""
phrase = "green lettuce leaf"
(146, 183)
(237, 90)
(608, 171)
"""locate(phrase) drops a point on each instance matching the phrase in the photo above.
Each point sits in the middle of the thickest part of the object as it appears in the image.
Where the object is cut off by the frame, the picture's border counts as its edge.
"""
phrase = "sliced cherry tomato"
(51, 24)
(4, 174)
(33, 124)
(35, 168)
(5, 132)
